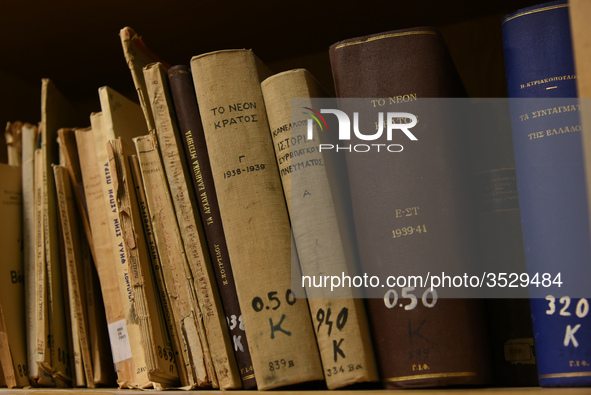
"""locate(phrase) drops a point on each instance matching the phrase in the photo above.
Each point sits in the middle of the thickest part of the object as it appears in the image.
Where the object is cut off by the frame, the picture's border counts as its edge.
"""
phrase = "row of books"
(164, 239)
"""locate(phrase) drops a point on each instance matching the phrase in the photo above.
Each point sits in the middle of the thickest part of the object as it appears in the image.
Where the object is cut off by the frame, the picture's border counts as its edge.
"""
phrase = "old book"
(103, 256)
(322, 238)
(161, 363)
(82, 371)
(254, 217)
(192, 229)
(178, 279)
(197, 159)
(138, 56)
(549, 164)
(37, 376)
(184, 366)
(66, 139)
(29, 138)
(412, 209)
(52, 341)
(500, 243)
(13, 342)
(122, 118)
(102, 361)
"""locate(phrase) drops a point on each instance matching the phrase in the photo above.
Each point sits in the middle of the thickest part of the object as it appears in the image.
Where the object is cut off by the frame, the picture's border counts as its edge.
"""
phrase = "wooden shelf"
(491, 391)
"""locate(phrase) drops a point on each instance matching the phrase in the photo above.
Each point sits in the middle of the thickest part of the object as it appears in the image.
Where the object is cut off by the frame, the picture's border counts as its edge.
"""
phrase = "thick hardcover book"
(191, 228)
(148, 307)
(254, 217)
(178, 280)
(195, 154)
(323, 241)
(412, 211)
(13, 342)
(550, 174)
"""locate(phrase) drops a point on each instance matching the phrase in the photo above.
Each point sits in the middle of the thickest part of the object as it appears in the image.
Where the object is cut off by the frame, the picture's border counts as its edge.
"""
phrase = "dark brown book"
(500, 241)
(193, 138)
(412, 209)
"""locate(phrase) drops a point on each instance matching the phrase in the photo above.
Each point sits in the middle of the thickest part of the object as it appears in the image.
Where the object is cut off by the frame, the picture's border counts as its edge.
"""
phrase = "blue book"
(552, 191)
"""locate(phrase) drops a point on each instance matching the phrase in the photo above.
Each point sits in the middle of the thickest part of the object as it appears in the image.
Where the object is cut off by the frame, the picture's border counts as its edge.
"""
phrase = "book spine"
(186, 374)
(322, 244)
(550, 173)
(190, 225)
(155, 337)
(13, 342)
(104, 260)
(28, 177)
(74, 276)
(132, 335)
(195, 153)
(500, 243)
(254, 217)
(416, 218)
(177, 275)
(56, 362)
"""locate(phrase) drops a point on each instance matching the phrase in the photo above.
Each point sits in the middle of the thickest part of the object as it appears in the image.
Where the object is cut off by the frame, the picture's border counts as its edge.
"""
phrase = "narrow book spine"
(195, 153)
(74, 274)
(254, 216)
(550, 173)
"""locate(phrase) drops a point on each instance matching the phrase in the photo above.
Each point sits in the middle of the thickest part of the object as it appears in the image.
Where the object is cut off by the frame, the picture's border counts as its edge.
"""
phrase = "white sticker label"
(119, 341)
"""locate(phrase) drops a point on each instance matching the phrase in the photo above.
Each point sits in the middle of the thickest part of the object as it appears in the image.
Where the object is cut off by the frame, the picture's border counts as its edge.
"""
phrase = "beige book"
(150, 314)
(56, 112)
(104, 259)
(13, 352)
(254, 217)
(37, 376)
(68, 150)
(119, 111)
(137, 56)
(125, 119)
(102, 362)
(191, 229)
(13, 137)
(322, 239)
(178, 279)
(28, 138)
(186, 374)
(82, 362)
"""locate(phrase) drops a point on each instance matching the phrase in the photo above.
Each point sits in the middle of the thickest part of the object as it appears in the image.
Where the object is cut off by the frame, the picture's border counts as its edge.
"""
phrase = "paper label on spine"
(119, 341)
